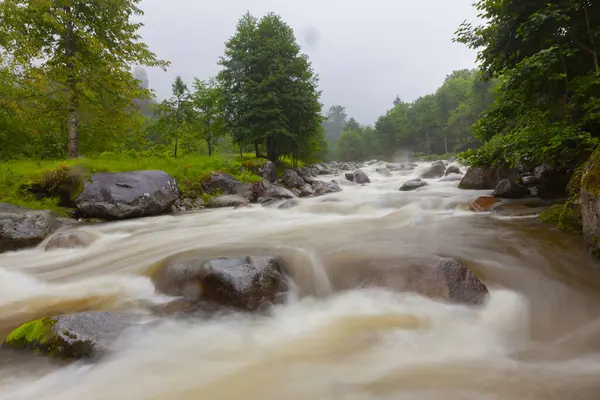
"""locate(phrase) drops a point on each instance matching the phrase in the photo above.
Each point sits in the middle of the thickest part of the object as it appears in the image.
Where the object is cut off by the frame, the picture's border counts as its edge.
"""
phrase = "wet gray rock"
(70, 240)
(453, 169)
(394, 167)
(297, 192)
(222, 183)
(452, 178)
(288, 204)
(292, 179)
(240, 282)
(348, 166)
(269, 172)
(487, 178)
(307, 190)
(529, 180)
(127, 195)
(273, 190)
(267, 201)
(21, 227)
(413, 184)
(507, 189)
(383, 171)
(360, 177)
(551, 183)
(76, 336)
(436, 170)
(349, 176)
(442, 279)
(228, 200)
(307, 174)
(322, 188)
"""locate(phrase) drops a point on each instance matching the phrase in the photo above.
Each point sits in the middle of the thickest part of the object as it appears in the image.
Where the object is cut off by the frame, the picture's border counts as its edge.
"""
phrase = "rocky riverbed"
(346, 276)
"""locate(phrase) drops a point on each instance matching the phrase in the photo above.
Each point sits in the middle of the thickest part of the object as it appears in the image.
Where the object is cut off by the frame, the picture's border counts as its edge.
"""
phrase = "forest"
(67, 90)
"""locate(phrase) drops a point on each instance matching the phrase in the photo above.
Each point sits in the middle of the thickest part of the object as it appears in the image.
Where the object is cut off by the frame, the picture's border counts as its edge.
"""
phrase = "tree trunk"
(591, 37)
(256, 150)
(73, 101)
(176, 143)
(208, 138)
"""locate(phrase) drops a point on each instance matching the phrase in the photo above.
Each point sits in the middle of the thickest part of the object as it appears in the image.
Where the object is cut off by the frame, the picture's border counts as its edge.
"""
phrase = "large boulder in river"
(127, 195)
(413, 184)
(74, 336)
(292, 179)
(483, 203)
(272, 190)
(360, 177)
(487, 178)
(322, 188)
(238, 282)
(349, 176)
(21, 227)
(551, 183)
(436, 170)
(453, 169)
(443, 279)
(590, 202)
(70, 240)
(306, 190)
(222, 183)
(507, 189)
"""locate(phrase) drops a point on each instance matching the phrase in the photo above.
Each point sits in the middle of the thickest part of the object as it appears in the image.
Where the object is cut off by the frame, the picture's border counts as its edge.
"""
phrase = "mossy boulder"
(566, 217)
(21, 227)
(590, 202)
(72, 337)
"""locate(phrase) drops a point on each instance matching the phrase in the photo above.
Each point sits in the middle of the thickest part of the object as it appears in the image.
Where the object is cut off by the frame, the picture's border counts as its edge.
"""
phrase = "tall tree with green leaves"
(175, 113)
(545, 55)
(270, 93)
(206, 101)
(86, 47)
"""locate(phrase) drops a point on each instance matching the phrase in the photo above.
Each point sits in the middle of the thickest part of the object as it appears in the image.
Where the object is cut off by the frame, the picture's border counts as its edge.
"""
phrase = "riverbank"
(189, 172)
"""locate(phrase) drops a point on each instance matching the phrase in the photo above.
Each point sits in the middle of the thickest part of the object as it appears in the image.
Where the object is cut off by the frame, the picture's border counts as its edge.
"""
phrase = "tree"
(176, 112)
(350, 146)
(206, 100)
(545, 56)
(85, 47)
(270, 92)
(334, 123)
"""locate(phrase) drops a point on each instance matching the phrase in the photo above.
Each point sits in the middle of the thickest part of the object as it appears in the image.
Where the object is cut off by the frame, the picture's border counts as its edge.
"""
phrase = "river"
(537, 337)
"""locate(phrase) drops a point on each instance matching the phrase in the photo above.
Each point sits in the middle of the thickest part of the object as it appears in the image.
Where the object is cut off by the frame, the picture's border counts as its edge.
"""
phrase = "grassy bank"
(188, 171)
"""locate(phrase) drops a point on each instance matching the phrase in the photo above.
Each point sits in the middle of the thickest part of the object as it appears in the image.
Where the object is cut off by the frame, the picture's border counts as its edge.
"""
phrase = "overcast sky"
(365, 51)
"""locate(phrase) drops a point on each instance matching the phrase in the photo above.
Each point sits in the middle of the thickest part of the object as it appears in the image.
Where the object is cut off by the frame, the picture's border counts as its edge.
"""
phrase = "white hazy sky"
(365, 52)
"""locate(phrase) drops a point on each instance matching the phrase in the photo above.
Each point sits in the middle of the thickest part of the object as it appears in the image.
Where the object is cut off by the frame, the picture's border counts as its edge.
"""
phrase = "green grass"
(188, 171)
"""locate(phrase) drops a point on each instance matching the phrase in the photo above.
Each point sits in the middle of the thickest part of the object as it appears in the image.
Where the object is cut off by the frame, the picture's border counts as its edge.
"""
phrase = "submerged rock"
(240, 282)
(75, 336)
(436, 170)
(228, 200)
(413, 184)
(507, 189)
(452, 178)
(21, 227)
(443, 279)
(306, 190)
(483, 203)
(70, 240)
(127, 195)
(360, 177)
(349, 176)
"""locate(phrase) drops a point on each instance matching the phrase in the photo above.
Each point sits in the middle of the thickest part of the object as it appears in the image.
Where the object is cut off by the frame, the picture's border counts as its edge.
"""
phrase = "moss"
(590, 180)
(574, 185)
(552, 214)
(255, 165)
(566, 217)
(34, 334)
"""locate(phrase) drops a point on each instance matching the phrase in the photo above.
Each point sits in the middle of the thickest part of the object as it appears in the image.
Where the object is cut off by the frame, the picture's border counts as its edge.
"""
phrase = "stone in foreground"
(72, 337)
(360, 177)
(442, 279)
(507, 189)
(436, 170)
(240, 282)
(127, 195)
(21, 227)
(273, 190)
(413, 184)
(70, 240)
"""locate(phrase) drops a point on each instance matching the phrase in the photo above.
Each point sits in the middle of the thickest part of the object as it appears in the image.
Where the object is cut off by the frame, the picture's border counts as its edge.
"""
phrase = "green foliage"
(546, 58)
(77, 55)
(269, 90)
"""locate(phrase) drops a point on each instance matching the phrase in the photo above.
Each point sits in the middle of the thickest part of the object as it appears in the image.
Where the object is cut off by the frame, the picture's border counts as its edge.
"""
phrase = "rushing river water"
(537, 337)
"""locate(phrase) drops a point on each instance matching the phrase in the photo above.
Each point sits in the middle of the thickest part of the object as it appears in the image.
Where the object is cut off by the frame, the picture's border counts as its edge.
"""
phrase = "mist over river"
(536, 337)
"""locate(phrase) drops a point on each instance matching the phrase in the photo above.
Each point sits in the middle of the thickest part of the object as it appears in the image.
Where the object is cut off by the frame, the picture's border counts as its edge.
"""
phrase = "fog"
(365, 52)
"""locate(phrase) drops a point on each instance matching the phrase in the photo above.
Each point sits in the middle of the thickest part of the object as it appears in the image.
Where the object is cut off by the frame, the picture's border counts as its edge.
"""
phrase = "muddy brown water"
(537, 337)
